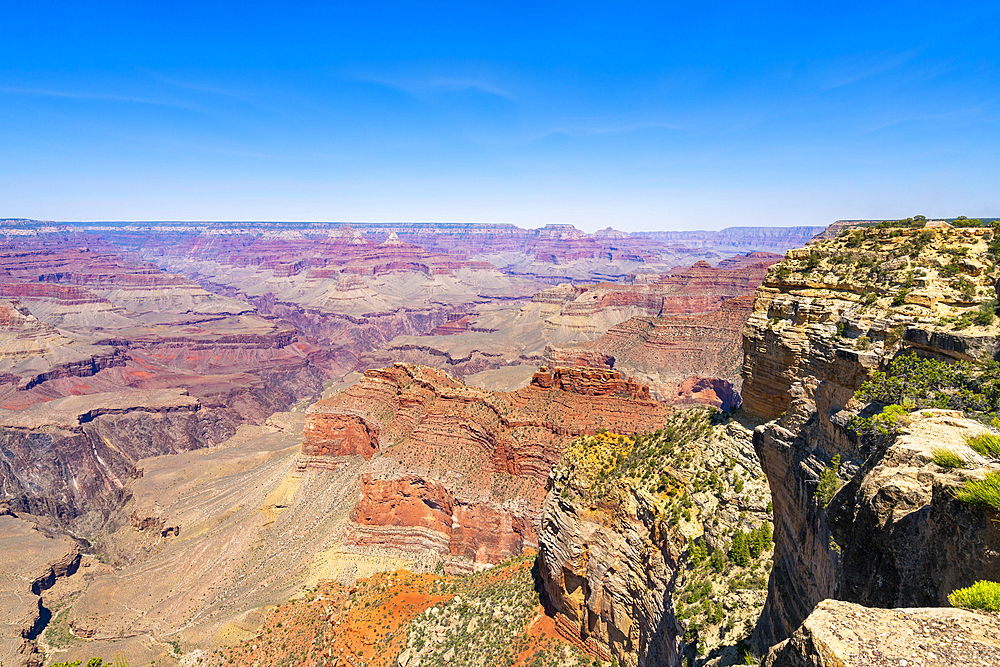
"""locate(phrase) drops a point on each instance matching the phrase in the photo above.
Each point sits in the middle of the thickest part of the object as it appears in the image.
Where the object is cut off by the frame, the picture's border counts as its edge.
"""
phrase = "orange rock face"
(424, 514)
(590, 382)
(460, 470)
(339, 435)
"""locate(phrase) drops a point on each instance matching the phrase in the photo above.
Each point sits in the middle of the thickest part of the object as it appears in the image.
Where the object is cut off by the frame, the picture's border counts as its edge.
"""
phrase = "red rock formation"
(590, 382)
(339, 435)
(420, 514)
(489, 451)
(684, 359)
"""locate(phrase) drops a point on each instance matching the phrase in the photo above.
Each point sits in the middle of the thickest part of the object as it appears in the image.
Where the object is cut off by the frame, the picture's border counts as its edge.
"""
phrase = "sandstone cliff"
(823, 321)
(841, 634)
(33, 560)
(684, 359)
(628, 526)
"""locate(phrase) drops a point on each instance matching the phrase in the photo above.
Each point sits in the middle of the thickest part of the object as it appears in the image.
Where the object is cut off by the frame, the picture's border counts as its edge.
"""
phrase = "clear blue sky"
(638, 116)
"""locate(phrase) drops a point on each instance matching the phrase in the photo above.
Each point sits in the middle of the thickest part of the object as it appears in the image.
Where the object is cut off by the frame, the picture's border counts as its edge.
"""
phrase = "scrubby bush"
(947, 458)
(913, 383)
(829, 482)
(984, 491)
(986, 313)
(986, 444)
(983, 595)
(739, 550)
(962, 221)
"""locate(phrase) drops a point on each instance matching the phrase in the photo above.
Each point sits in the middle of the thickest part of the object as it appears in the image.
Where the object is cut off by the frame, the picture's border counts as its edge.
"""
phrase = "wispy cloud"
(103, 97)
(887, 65)
(976, 110)
(596, 130)
(425, 85)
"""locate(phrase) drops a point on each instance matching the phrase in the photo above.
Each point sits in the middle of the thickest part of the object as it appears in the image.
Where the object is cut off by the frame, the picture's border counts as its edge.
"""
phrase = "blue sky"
(637, 116)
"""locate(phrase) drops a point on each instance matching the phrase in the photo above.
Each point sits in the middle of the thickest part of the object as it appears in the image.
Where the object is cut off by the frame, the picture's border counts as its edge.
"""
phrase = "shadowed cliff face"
(822, 321)
(105, 360)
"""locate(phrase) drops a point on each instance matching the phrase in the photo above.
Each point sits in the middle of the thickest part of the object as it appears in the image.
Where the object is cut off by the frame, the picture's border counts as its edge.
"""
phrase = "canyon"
(222, 442)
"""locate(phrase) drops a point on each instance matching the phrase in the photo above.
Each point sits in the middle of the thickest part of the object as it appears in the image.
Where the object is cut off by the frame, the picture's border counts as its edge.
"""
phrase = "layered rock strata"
(678, 333)
(822, 321)
(460, 470)
(684, 359)
(33, 560)
(61, 458)
(623, 546)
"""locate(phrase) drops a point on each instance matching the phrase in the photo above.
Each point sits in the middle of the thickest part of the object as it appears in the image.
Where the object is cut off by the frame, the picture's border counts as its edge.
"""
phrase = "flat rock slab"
(841, 634)
(71, 411)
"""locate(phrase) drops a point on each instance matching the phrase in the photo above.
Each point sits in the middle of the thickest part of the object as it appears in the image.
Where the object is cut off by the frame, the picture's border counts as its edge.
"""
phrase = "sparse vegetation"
(984, 595)
(947, 458)
(914, 383)
(984, 491)
(987, 444)
(829, 482)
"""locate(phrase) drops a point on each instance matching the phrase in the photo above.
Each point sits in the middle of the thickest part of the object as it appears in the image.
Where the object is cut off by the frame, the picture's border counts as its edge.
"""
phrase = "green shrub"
(863, 343)
(760, 539)
(983, 595)
(885, 422)
(739, 550)
(984, 491)
(967, 288)
(947, 458)
(718, 560)
(829, 482)
(986, 444)
(928, 383)
(986, 313)
(962, 221)
(698, 553)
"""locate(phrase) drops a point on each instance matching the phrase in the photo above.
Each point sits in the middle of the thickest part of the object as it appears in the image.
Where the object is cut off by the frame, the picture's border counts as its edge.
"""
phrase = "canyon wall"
(822, 322)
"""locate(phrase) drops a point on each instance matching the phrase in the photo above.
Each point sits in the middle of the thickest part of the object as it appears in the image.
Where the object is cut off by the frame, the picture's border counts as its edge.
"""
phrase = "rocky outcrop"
(623, 524)
(33, 559)
(684, 359)
(841, 634)
(589, 382)
(457, 469)
(339, 435)
(905, 539)
(77, 452)
(418, 514)
(822, 322)
(609, 581)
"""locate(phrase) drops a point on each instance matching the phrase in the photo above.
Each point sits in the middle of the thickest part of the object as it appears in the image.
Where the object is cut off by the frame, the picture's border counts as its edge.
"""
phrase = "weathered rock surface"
(841, 634)
(822, 321)
(416, 514)
(611, 584)
(638, 320)
(906, 540)
(111, 334)
(684, 359)
(613, 556)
